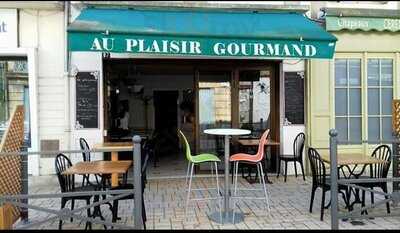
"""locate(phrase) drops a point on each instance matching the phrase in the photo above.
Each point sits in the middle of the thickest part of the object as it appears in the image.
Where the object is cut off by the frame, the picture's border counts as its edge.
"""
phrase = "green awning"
(200, 33)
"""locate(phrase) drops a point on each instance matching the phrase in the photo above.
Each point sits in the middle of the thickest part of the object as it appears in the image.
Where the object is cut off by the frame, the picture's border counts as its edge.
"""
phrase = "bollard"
(334, 179)
(137, 179)
(24, 181)
(395, 164)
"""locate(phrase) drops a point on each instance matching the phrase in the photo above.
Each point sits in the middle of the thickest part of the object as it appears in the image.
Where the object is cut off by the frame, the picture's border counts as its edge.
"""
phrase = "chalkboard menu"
(87, 100)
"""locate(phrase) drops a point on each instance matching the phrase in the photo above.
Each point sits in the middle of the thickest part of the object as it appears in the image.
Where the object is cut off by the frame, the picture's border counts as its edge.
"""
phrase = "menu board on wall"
(87, 103)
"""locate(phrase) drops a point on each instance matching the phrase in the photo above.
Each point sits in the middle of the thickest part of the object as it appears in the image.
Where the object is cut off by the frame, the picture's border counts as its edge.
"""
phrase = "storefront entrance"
(155, 97)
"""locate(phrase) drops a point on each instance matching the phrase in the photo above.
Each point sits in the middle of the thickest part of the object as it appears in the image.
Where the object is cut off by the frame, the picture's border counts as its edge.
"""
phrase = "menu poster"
(87, 104)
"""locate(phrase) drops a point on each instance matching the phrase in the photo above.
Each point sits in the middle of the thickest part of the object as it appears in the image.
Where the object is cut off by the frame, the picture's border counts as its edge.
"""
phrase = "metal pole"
(334, 179)
(227, 189)
(137, 177)
(395, 166)
(24, 181)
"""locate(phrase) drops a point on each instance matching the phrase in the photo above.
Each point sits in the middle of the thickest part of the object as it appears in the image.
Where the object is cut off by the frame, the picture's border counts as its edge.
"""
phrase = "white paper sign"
(8, 28)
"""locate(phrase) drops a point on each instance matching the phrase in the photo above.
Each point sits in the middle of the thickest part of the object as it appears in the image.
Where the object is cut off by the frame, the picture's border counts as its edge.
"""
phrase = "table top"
(352, 159)
(255, 142)
(113, 146)
(99, 167)
(227, 131)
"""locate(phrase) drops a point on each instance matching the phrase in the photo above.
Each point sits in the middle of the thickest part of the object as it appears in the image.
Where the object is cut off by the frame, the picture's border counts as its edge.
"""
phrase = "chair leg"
(295, 168)
(264, 186)
(279, 168)
(322, 205)
(384, 188)
(72, 207)
(187, 172)
(218, 191)
(144, 216)
(302, 170)
(189, 189)
(115, 211)
(312, 197)
(236, 169)
(63, 203)
(88, 224)
(286, 170)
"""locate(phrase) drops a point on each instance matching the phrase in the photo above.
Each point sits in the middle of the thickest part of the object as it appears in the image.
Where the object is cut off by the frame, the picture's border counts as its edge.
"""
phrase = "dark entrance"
(166, 123)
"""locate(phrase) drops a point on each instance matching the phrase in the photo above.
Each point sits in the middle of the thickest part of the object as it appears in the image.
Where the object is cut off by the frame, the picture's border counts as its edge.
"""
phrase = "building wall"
(44, 30)
(320, 80)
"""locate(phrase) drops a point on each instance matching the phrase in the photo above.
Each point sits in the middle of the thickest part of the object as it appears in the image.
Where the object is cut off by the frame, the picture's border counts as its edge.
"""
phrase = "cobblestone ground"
(165, 200)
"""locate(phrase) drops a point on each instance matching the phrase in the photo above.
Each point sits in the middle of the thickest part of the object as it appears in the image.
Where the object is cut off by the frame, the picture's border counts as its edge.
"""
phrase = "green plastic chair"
(196, 160)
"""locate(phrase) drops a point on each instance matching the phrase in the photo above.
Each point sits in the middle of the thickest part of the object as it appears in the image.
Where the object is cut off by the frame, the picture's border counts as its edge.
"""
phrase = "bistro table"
(353, 159)
(99, 167)
(114, 147)
(255, 143)
(227, 213)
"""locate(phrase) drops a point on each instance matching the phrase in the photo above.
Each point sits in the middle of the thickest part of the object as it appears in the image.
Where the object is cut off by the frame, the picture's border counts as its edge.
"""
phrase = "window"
(380, 95)
(348, 99)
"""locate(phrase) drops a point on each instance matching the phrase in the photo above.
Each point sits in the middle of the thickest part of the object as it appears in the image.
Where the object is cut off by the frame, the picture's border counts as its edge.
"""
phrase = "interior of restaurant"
(155, 97)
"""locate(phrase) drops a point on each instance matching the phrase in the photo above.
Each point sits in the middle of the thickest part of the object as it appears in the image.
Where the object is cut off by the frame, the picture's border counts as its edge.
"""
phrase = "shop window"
(14, 91)
(380, 95)
(348, 99)
(294, 98)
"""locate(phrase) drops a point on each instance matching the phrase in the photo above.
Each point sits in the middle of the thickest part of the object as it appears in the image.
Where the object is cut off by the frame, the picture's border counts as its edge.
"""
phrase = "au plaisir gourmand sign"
(173, 46)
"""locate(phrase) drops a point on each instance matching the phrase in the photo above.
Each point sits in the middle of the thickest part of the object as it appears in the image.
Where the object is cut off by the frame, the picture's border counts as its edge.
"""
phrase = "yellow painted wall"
(320, 83)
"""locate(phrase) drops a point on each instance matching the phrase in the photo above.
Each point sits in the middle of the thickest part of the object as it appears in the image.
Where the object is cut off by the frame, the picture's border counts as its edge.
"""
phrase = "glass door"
(254, 101)
(214, 108)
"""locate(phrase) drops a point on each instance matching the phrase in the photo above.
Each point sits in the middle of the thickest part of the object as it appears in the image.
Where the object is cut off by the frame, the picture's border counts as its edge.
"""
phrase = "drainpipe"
(67, 131)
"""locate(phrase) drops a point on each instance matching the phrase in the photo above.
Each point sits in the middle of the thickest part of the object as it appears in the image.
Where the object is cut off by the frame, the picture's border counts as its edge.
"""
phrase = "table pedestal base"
(227, 218)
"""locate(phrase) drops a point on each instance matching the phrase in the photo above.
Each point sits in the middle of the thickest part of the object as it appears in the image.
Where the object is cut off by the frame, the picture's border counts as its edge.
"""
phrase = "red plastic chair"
(252, 159)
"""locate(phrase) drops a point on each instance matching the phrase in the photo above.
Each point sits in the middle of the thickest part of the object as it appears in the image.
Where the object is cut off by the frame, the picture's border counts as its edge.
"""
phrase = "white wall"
(44, 30)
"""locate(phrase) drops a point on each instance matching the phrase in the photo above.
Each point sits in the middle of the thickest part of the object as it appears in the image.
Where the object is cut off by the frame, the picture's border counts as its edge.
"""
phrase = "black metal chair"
(320, 179)
(87, 158)
(297, 156)
(67, 184)
(125, 186)
(378, 170)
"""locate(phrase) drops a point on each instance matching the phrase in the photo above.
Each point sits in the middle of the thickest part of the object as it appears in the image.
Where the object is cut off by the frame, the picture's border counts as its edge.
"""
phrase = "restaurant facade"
(189, 65)
(187, 68)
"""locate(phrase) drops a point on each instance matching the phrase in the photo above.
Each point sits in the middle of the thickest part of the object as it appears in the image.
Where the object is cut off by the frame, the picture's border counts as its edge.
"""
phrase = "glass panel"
(341, 127)
(355, 72)
(373, 101)
(341, 102)
(340, 72)
(387, 97)
(373, 72)
(387, 128)
(386, 72)
(254, 100)
(214, 108)
(355, 129)
(355, 101)
(373, 128)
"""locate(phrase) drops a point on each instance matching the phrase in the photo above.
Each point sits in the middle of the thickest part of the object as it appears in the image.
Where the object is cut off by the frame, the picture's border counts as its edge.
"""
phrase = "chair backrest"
(380, 170)
(84, 146)
(263, 140)
(187, 147)
(298, 145)
(318, 169)
(67, 182)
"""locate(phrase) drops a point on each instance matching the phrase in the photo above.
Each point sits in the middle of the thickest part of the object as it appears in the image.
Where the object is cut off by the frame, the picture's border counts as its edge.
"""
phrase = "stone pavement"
(165, 200)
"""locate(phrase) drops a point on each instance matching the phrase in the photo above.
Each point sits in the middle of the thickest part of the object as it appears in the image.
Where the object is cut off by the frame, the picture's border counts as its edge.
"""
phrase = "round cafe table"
(227, 214)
